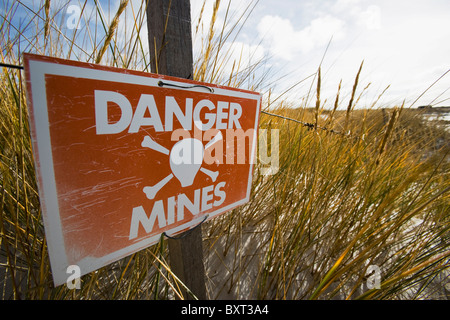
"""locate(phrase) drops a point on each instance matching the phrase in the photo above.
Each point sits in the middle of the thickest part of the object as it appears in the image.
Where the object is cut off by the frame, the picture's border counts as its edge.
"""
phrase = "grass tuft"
(337, 205)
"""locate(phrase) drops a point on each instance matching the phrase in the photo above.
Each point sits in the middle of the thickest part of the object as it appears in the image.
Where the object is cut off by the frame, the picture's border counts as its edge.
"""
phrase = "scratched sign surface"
(123, 156)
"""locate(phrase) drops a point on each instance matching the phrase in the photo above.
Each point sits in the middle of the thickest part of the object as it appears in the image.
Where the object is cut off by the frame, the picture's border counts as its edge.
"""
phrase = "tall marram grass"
(339, 205)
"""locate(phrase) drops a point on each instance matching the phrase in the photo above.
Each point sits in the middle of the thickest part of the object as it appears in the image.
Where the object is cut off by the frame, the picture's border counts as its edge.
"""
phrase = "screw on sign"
(121, 160)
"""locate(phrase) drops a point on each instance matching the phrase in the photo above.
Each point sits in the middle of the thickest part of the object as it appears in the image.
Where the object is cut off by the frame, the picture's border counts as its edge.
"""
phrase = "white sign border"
(45, 167)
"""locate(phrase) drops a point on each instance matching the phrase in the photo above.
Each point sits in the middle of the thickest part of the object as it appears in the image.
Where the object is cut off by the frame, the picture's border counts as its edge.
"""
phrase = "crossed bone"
(148, 142)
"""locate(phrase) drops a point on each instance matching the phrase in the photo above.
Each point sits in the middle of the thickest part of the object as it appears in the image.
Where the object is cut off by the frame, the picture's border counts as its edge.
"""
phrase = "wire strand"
(309, 125)
(8, 65)
(161, 83)
(186, 233)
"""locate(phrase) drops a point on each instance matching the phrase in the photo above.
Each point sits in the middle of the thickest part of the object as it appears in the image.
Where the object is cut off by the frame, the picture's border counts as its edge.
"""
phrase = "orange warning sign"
(123, 156)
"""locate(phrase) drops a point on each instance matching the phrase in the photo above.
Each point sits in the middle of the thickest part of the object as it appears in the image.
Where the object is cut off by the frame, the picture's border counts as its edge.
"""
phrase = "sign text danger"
(225, 115)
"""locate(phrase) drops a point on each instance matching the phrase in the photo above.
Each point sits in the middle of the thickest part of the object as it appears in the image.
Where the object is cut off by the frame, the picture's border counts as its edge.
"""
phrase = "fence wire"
(310, 126)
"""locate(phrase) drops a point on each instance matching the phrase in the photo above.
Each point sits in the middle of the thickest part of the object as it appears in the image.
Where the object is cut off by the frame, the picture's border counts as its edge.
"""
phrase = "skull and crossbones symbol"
(185, 158)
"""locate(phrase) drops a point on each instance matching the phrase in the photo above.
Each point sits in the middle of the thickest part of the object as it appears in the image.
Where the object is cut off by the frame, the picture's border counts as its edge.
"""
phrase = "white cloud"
(345, 4)
(280, 34)
(321, 29)
(403, 43)
(241, 55)
(285, 42)
(370, 18)
(356, 12)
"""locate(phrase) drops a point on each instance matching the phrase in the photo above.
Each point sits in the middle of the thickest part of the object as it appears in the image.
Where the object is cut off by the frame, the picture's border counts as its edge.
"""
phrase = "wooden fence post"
(170, 43)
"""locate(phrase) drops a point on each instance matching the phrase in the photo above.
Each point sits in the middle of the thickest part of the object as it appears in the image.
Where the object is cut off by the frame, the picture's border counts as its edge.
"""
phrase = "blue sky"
(404, 44)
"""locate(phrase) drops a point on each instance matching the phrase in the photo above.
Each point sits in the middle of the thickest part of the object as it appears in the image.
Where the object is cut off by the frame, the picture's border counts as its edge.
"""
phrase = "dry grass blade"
(112, 29)
(316, 114)
(370, 293)
(209, 41)
(47, 19)
(350, 103)
(336, 104)
(388, 132)
(331, 207)
(178, 281)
